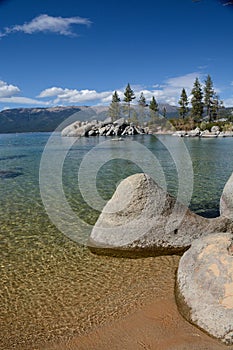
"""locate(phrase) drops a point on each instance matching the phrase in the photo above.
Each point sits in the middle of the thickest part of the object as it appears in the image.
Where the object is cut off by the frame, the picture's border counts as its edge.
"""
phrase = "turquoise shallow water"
(51, 286)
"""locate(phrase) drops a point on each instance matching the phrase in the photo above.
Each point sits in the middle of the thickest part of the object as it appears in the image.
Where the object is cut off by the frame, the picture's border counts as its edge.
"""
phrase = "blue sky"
(78, 52)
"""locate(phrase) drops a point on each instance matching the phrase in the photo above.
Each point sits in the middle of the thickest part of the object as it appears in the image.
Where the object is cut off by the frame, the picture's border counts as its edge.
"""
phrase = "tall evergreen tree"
(154, 105)
(129, 96)
(216, 104)
(164, 112)
(197, 101)
(142, 100)
(114, 108)
(154, 108)
(208, 96)
(183, 102)
(142, 104)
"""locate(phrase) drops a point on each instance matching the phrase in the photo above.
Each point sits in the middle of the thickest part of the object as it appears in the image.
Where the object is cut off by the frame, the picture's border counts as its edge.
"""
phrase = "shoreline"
(144, 314)
(156, 325)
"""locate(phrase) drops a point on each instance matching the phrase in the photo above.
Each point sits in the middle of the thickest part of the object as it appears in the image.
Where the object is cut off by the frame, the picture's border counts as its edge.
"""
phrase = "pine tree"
(197, 101)
(114, 108)
(183, 102)
(153, 105)
(208, 96)
(129, 96)
(154, 108)
(164, 112)
(142, 104)
(142, 100)
(215, 106)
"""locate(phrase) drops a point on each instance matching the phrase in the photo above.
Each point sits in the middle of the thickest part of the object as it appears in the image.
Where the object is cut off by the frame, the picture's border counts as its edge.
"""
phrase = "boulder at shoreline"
(143, 219)
(226, 200)
(205, 285)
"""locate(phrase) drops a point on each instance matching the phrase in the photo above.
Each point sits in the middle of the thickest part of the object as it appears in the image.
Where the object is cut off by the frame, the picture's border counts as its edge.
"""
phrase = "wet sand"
(158, 325)
(80, 301)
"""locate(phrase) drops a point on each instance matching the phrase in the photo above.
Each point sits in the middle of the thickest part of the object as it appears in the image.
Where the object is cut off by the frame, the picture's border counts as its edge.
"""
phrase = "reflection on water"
(50, 286)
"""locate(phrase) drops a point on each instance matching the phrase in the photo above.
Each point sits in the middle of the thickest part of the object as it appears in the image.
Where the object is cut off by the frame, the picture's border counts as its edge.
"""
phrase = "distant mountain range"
(46, 119)
(49, 119)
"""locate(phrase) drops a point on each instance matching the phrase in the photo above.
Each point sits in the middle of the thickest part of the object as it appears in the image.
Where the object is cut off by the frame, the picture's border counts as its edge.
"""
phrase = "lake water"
(52, 286)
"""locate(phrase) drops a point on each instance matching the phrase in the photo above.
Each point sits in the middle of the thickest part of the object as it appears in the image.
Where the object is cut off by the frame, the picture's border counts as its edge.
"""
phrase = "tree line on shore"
(203, 106)
(136, 116)
(203, 99)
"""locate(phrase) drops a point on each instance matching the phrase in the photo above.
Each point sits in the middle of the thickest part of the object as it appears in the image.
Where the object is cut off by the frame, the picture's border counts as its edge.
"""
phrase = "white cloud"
(8, 90)
(22, 101)
(228, 102)
(45, 23)
(108, 98)
(184, 81)
(74, 96)
(9, 94)
(169, 92)
(50, 92)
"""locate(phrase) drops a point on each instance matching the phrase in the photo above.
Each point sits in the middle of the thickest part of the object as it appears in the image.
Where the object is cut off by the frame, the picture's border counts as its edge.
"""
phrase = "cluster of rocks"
(214, 132)
(143, 219)
(119, 127)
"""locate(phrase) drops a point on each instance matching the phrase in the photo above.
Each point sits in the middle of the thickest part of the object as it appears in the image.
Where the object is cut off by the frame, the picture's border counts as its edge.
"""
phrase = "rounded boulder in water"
(205, 285)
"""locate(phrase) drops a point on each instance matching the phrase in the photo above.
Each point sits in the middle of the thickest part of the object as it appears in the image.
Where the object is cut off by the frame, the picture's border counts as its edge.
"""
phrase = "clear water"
(52, 287)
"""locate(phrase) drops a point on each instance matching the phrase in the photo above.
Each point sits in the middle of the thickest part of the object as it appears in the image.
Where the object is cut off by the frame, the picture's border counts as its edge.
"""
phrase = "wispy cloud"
(171, 90)
(223, 2)
(20, 100)
(227, 3)
(184, 81)
(45, 23)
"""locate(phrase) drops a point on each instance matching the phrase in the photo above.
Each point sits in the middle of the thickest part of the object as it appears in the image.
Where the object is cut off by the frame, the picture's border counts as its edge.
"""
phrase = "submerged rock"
(142, 218)
(205, 285)
(9, 174)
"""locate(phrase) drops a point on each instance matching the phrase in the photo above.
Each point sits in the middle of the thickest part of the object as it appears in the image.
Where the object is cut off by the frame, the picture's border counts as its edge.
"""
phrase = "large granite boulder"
(79, 128)
(215, 129)
(193, 133)
(142, 218)
(226, 200)
(120, 122)
(205, 285)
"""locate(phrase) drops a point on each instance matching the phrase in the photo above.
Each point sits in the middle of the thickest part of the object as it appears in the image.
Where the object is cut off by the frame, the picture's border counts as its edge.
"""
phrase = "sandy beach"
(156, 326)
(140, 313)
